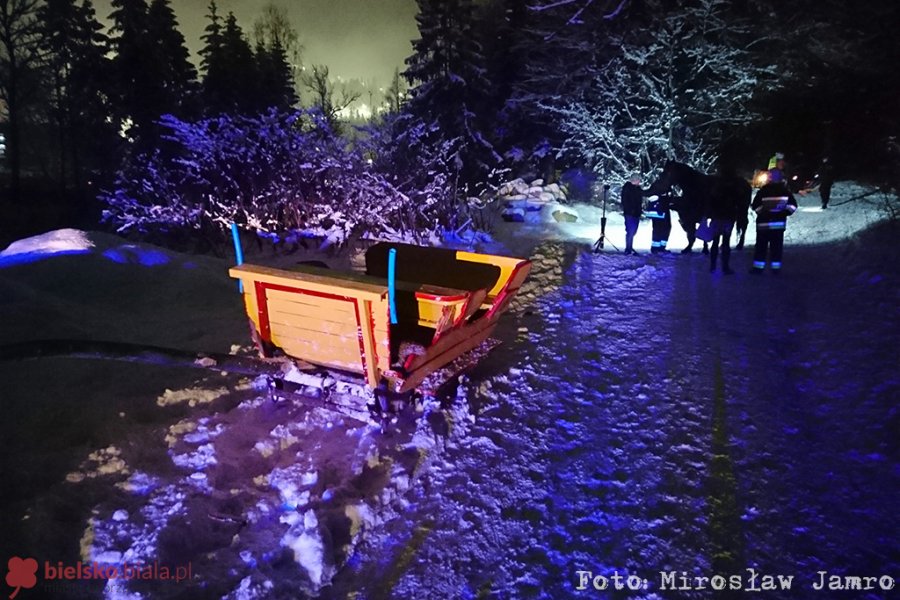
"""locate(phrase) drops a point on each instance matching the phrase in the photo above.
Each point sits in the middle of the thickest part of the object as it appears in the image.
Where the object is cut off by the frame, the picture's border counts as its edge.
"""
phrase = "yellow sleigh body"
(447, 303)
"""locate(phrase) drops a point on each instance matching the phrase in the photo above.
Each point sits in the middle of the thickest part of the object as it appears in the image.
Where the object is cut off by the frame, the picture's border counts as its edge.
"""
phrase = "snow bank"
(53, 242)
(40, 247)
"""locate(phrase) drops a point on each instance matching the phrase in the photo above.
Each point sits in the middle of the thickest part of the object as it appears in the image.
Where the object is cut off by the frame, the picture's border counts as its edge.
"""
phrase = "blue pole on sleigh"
(238, 251)
(392, 274)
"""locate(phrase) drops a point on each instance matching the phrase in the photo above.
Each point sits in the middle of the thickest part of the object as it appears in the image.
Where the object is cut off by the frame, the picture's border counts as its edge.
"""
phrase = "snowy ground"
(642, 416)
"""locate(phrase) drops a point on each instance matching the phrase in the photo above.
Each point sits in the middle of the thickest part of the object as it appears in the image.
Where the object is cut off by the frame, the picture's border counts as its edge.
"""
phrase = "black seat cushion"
(433, 266)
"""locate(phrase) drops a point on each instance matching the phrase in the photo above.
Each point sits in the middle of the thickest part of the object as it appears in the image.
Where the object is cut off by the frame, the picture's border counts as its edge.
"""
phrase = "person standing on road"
(632, 207)
(777, 167)
(731, 195)
(773, 204)
(826, 180)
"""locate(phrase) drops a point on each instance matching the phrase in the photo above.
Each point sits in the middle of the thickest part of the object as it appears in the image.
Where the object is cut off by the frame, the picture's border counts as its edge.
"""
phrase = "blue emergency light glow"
(238, 251)
(392, 272)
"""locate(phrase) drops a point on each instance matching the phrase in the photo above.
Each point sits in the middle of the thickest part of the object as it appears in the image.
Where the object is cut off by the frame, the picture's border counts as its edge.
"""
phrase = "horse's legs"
(705, 247)
(742, 233)
(726, 253)
(726, 248)
(714, 252)
(691, 231)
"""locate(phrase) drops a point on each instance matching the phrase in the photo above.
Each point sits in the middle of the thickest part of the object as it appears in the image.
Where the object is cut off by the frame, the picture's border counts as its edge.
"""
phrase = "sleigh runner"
(445, 303)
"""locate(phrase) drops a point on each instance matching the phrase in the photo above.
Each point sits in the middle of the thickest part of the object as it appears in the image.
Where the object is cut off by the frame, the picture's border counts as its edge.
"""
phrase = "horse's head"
(665, 181)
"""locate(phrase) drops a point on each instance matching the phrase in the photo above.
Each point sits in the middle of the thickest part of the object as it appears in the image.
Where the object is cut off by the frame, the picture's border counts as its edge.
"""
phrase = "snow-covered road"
(642, 417)
(657, 418)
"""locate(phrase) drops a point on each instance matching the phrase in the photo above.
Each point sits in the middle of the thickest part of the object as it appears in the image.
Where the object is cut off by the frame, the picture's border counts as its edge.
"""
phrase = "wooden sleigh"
(447, 302)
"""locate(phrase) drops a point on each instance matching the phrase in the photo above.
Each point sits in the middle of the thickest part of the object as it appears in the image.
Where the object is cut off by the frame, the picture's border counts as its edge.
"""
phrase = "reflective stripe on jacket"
(773, 204)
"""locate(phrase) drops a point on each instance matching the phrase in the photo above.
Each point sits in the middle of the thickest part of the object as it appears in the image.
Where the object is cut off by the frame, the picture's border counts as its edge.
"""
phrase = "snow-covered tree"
(674, 89)
(449, 96)
(559, 45)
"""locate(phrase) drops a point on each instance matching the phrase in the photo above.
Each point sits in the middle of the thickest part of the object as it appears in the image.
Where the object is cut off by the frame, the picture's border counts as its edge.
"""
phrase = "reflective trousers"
(771, 242)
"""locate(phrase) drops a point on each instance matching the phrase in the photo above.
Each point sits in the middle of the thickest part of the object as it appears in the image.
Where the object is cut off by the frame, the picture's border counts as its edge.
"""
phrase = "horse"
(703, 196)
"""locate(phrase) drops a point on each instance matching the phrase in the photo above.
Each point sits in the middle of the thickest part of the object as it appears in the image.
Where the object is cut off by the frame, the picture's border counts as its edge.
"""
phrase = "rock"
(537, 183)
(563, 216)
(519, 186)
(514, 215)
(528, 204)
(546, 197)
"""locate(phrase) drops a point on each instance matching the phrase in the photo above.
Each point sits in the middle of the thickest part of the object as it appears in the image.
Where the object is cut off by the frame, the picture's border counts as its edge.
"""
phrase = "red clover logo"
(22, 574)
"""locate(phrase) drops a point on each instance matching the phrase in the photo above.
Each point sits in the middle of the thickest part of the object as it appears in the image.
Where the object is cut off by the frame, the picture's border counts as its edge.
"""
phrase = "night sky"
(364, 39)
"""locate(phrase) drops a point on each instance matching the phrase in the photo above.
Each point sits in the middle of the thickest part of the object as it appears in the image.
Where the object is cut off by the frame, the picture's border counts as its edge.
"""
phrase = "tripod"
(598, 245)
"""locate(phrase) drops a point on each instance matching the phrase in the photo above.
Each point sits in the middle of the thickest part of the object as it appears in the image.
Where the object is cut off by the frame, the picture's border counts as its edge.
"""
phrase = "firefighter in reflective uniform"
(776, 162)
(773, 204)
(661, 217)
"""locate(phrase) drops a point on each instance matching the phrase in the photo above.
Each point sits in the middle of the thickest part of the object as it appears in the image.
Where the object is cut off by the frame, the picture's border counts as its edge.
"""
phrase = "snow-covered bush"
(424, 167)
(271, 174)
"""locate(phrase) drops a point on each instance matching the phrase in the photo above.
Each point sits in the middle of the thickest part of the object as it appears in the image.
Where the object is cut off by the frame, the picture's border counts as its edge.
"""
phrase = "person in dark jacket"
(777, 167)
(632, 207)
(773, 204)
(730, 197)
(826, 180)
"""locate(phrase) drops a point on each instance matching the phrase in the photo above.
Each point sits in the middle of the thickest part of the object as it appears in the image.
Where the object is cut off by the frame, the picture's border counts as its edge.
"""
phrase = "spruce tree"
(152, 73)
(176, 75)
(21, 66)
(133, 81)
(499, 30)
(449, 92)
(395, 94)
(230, 74)
(211, 62)
(274, 27)
(78, 70)
(276, 81)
